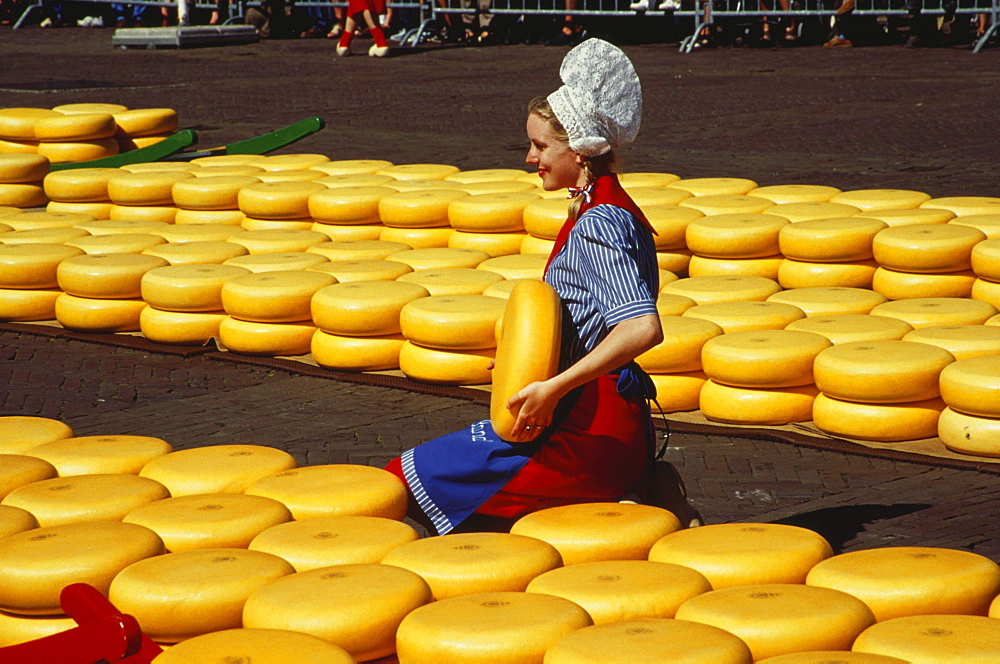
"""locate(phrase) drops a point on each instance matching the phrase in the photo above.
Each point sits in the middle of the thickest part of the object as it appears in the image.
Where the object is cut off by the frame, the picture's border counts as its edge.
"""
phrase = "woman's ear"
(580, 159)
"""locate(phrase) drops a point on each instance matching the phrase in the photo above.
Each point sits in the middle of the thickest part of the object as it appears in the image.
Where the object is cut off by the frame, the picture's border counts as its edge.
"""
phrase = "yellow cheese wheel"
(795, 193)
(418, 171)
(39, 563)
(277, 200)
(989, 224)
(591, 532)
(261, 646)
(17, 470)
(802, 274)
(41, 236)
(830, 656)
(970, 386)
(644, 179)
(677, 392)
(163, 214)
(18, 146)
(290, 162)
(762, 358)
(649, 641)
(727, 204)
(536, 245)
(962, 341)
(268, 262)
(197, 253)
(347, 204)
(756, 406)
(27, 221)
(964, 205)
(830, 301)
(145, 188)
(886, 422)
(227, 217)
(188, 288)
(673, 305)
(353, 166)
(735, 235)
(99, 455)
(746, 316)
(715, 186)
(418, 238)
(335, 490)
(350, 233)
(19, 167)
(520, 266)
(843, 328)
(881, 371)
(485, 175)
(23, 195)
(333, 540)
(75, 127)
(930, 311)
(670, 223)
(446, 367)
(19, 433)
(469, 563)
(273, 297)
(143, 121)
(500, 187)
(217, 468)
(23, 305)
(278, 241)
(490, 213)
(69, 109)
(613, 591)
(209, 520)
(357, 607)
(33, 266)
(779, 618)
(63, 500)
(211, 193)
(704, 290)
(766, 267)
(118, 243)
(346, 271)
(226, 160)
(460, 281)
(122, 226)
(180, 595)
(896, 218)
(522, 627)
(105, 276)
(98, 315)
(441, 258)
(680, 350)
(882, 199)
(160, 166)
(969, 434)
(926, 247)
(675, 261)
(912, 580)
(15, 629)
(180, 328)
(985, 259)
(796, 212)
(932, 639)
(251, 224)
(452, 322)
(649, 196)
(352, 179)
(834, 240)
(266, 339)
(19, 123)
(343, 353)
(128, 143)
(543, 218)
(363, 308)
(423, 184)
(222, 170)
(494, 244)
(418, 209)
(358, 250)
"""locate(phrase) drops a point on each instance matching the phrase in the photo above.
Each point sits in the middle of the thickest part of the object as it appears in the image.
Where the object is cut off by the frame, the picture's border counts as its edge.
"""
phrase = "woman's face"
(557, 164)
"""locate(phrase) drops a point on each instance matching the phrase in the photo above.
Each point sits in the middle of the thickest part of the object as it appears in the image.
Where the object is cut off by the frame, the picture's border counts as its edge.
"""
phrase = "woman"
(584, 435)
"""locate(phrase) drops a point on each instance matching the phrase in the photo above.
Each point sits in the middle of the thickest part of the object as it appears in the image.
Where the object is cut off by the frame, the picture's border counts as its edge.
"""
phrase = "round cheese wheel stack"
(40, 236)
(19, 123)
(704, 290)
(28, 221)
(209, 520)
(145, 121)
(193, 217)
(670, 223)
(930, 248)
(797, 212)
(494, 244)
(469, 563)
(649, 641)
(252, 224)
(273, 297)
(335, 490)
(261, 646)
(277, 200)
(777, 619)
(333, 540)
(27, 305)
(197, 253)
(909, 581)
(735, 235)
(19, 168)
(746, 316)
(830, 301)
(418, 171)
(523, 626)
(961, 206)
(418, 238)
(15, 629)
(61, 500)
(353, 166)
(17, 470)
(521, 266)
(65, 152)
(970, 386)
(441, 258)
(278, 241)
(834, 240)
(355, 354)
(844, 328)
(180, 595)
(756, 406)
(649, 196)
(346, 271)
(989, 224)
(446, 367)
(767, 267)
(88, 314)
(643, 179)
(613, 591)
(727, 204)
(985, 259)
(795, 193)
(418, 209)
(715, 186)
(144, 188)
(762, 358)
(931, 311)
(188, 288)
(886, 422)
(23, 195)
(117, 243)
(217, 468)
(882, 199)
(363, 308)
(933, 639)
(881, 371)
(20, 433)
(347, 205)
(460, 281)
(962, 341)
(744, 554)
(969, 434)
(19, 146)
(97, 455)
(452, 322)
(75, 127)
(680, 350)
(490, 213)
(801, 274)
(164, 214)
(33, 266)
(211, 193)
(37, 564)
(678, 392)
(277, 262)
(543, 218)
(591, 532)
(828, 656)
(673, 305)
(353, 233)
(180, 328)
(357, 607)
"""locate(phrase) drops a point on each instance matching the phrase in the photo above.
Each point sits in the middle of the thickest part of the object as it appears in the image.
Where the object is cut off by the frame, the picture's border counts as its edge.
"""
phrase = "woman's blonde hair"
(592, 166)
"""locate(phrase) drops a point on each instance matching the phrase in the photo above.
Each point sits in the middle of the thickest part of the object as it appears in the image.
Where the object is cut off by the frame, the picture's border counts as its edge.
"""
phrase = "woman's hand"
(535, 405)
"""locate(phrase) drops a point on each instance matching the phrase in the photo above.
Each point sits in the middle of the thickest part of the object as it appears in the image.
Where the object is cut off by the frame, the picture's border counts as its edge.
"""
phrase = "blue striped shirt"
(605, 274)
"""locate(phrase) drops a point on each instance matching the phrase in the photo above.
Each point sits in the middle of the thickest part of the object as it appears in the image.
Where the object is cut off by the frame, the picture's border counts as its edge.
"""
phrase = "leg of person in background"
(468, 33)
(379, 49)
(337, 26)
(570, 34)
(485, 20)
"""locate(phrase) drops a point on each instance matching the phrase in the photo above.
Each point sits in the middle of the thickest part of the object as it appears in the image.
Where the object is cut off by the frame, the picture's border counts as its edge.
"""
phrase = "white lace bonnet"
(600, 102)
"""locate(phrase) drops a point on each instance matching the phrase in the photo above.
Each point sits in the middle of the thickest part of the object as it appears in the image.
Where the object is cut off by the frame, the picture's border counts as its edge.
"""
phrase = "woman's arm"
(627, 340)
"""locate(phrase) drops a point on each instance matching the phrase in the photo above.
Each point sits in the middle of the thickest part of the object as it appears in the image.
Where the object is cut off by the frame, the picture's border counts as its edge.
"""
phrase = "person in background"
(369, 11)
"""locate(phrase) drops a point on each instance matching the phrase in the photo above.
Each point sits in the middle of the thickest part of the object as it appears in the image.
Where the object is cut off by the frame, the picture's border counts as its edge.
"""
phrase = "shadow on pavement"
(840, 525)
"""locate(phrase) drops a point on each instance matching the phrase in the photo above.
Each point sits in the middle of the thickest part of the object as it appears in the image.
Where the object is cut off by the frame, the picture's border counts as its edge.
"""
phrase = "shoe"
(640, 6)
(343, 51)
(335, 32)
(838, 41)
(311, 33)
(85, 22)
(98, 22)
(669, 5)
(378, 51)
(46, 23)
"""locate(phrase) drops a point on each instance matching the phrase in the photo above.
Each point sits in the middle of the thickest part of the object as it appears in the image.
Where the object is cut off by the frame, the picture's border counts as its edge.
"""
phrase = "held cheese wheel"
(715, 186)
(418, 209)
(795, 193)
(273, 297)
(926, 247)
(343, 353)
(962, 341)
(756, 406)
(882, 199)
(830, 240)
(216, 469)
(969, 434)
(929, 311)
(106, 276)
(971, 386)
(830, 301)
(257, 263)
(680, 350)
(363, 308)
(735, 235)
(452, 322)
(261, 646)
(197, 253)
(762, 358)
(746, 316)
(278, 241)
(17, 470)
(446, 367)
(98, 315)
(801, 274)
(62, 500)
(100, 455)
(347, 205)
(33, 266)
(19, 433)
(932, 639)
(180, 328)
(37, 564)
(704, 290)
(211, 193)
(528, 350)
(188, 288)
(885, 422)
(766, 267)
(881, 371)
(490, 213)
(726, 204)
(144, 121)
(335, 490)
(277, 200)
(468, 563)
(147, 188)
(843, 328)
(266, 339)
(26, 305)
(75, 127)
(17, 167)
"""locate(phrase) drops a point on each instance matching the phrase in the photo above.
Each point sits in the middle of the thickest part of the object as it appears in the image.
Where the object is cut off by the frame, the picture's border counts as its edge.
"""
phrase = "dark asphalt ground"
(851, 118)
